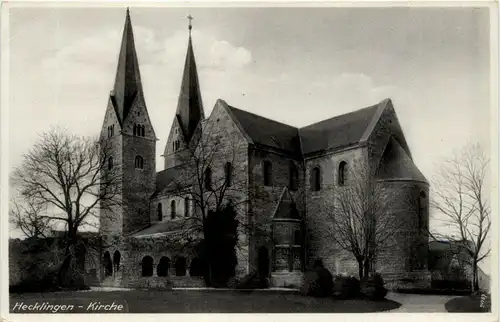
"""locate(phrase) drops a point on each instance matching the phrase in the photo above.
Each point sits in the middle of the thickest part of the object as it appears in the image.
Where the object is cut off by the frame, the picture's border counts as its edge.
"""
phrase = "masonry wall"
(265, 199)
(320, 207)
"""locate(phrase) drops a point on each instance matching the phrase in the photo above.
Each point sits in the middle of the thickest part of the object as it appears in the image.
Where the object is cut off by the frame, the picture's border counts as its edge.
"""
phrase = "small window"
(172, 209)
(139, 162)
(135, 129)
(228, 169)
(143, 131)
(160, 212)
(316, 179)
(208, 179)
(342, 173)
(294, 177)
(186, 207)
(110, 163)
(268, 169)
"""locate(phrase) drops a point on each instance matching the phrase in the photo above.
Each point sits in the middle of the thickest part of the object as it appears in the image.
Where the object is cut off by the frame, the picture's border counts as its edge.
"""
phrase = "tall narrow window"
(143, 130)
(186, 207)
(342, 173)
(112, 129)
(110, 163)
(294, 177)
(268, 169)
(228, 169)
(135, 129)
(139, 162)
(172, 209)
(160, 212)
(316, 179)
(208, 179)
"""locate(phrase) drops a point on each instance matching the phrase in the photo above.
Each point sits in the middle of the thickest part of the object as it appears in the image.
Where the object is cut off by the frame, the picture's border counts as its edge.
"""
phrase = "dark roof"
(267, 132)
(161, 227)
(190, 105)
(286, 208)
(337, 132)
(396, 164)
(166, 179)
(128, 86)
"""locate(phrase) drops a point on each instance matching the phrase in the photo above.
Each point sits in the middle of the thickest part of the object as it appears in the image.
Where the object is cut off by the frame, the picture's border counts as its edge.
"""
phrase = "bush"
(346, 286)
(451, 284)
(317, 282)
(373, 287)
(249, 281)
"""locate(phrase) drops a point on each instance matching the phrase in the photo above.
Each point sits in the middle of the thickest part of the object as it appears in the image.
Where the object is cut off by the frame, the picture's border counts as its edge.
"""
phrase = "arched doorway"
(180, 266)
(116, 260)
(108, 265)
(196, 268)
(163, 267)
(263, 262)
(147, 266)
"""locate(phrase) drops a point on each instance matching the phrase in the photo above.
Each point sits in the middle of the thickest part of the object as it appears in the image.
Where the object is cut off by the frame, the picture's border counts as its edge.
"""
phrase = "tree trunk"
(474, 278)
(360, 269)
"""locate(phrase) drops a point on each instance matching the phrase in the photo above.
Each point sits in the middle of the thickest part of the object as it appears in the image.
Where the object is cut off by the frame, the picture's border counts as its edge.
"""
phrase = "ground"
(419, 302)
(216, 301)
(467, 304)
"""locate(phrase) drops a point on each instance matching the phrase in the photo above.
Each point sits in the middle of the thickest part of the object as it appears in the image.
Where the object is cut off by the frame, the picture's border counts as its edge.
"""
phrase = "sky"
(294, 65)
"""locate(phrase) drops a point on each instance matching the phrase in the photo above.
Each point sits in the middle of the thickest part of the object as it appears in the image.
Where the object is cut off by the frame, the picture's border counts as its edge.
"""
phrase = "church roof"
(190, 105)
(165, 180)
(128, 86)
(339, 131)
(334, 133)
(267, 132)
(286, 208)
(396, 164)
(161, 227)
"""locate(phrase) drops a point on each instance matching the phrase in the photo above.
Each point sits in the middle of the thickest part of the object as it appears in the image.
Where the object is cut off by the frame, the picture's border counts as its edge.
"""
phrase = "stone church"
(282, 180)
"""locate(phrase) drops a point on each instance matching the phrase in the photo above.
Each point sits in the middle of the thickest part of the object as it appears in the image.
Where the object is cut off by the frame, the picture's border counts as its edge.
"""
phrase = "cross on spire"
(190, 18)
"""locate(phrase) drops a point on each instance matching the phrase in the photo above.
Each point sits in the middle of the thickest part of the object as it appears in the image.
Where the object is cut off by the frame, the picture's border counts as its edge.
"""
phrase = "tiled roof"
(337, 132)
(165, 180)
(162, 227)
(268, 132)
(396, 164)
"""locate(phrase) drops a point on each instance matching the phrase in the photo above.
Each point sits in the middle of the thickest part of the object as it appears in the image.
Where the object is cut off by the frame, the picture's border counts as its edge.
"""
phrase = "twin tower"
(129, 133)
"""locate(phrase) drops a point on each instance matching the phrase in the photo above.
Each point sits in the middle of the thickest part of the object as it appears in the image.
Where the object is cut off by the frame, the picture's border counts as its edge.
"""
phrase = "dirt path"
(420, 303)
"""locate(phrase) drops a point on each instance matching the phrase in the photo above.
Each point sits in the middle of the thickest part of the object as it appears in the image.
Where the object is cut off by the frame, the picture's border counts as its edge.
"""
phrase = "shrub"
(317, 282)
(373, 287)
(346, 286)
(451, 284)
(250, 281)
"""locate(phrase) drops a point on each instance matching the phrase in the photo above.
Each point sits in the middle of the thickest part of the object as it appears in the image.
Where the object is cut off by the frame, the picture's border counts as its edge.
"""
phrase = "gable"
(110, 118)
(138, 114)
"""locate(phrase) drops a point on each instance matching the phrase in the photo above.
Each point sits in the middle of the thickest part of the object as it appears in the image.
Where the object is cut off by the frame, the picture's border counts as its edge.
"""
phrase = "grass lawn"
(467, 304)
(142, 301)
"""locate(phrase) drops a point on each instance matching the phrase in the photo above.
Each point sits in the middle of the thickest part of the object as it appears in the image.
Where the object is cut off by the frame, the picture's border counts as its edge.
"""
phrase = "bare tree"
(28, 217)
(359, 221)
(461, 196)
(68, 176)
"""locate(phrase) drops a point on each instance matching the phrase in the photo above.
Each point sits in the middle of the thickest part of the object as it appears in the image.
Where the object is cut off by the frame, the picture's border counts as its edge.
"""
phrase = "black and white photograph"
(249, 158)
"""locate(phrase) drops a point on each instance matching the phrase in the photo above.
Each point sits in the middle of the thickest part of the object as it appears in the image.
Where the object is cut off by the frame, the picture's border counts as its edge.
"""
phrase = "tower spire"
(190, 105)
(128, 84)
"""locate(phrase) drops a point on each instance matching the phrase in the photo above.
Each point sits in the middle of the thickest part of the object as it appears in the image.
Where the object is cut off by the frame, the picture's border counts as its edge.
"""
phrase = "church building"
(282, 180)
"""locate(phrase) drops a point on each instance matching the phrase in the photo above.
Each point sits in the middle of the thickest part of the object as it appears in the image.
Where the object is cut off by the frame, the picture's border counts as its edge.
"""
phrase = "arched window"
(110, 163)
(116, 260)
(294, 177)
(186, 207)
(136, 129)
(147, 266)
(139, 162)
(180, 266)
(163, 267)
(108, 265)
(143, 130)
(342, 173)
(172, 209)
(268, 169)
(160, 212)
(228, 170)
(208, 179)
(316, 179)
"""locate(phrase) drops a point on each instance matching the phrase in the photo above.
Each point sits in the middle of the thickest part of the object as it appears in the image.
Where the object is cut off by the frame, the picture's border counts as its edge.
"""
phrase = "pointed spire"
(128, 79)
(190, 105)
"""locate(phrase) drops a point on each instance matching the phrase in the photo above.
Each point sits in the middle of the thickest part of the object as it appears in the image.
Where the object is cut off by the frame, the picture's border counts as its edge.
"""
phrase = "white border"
(372, 317)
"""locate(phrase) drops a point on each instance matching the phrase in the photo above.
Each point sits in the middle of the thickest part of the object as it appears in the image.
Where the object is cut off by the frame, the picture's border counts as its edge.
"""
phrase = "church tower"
(186, 127)
(128, 131)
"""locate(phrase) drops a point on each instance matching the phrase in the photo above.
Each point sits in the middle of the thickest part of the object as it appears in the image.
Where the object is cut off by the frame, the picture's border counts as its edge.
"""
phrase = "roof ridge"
(340, 115)
(260, 116)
